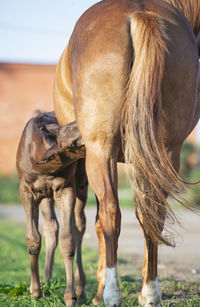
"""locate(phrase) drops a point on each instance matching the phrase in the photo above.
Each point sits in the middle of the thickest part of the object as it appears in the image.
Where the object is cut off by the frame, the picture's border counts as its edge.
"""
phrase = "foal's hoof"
(97, 300)
(36, 294)
(80, 293)
(70, 299)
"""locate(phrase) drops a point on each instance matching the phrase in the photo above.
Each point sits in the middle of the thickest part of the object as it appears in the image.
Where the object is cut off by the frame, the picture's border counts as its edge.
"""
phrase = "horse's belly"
(63, 97)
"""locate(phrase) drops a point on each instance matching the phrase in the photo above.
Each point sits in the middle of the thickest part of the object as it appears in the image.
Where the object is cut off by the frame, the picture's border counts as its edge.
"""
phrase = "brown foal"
(129, 76)
(47, 171)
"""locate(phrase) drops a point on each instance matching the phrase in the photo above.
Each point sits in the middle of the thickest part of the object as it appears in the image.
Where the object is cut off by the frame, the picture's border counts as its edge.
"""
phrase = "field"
(14, 277)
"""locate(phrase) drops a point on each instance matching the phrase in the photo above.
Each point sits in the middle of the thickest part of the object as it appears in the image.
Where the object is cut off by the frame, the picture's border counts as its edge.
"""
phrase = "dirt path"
(176, 262)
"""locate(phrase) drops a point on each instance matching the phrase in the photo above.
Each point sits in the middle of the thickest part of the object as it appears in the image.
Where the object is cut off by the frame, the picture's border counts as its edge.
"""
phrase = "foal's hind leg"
(50, 233)
(102, 176)
(65, 199)
(33, 238)
(80, 224)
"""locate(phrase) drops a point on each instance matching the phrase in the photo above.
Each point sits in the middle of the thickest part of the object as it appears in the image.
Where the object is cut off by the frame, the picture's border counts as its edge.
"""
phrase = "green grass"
(15, 275)
(9, 189)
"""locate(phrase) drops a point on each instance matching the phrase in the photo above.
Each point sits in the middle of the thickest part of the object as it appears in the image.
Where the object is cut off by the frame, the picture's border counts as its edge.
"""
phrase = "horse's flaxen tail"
(151, 173)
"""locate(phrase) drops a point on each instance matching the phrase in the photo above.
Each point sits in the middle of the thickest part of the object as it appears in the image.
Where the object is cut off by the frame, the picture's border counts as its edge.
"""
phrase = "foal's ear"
(53, 129)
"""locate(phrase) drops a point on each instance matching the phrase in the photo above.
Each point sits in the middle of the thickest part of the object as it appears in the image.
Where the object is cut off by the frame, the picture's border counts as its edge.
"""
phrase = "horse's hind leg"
(33, 238)
(101, 272)
(150, 295)
(102, 176)
(50, 233)
(80, 225)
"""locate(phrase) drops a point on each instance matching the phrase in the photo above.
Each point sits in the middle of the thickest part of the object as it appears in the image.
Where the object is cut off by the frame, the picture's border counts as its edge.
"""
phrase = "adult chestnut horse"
(130, 75)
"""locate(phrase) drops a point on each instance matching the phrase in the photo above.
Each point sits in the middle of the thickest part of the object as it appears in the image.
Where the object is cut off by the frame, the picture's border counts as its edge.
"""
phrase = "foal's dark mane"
(47, 123)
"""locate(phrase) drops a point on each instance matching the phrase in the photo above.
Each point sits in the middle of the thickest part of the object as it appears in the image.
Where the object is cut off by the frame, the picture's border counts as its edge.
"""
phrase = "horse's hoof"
(97, 300)
(150, 295)
(142, 302)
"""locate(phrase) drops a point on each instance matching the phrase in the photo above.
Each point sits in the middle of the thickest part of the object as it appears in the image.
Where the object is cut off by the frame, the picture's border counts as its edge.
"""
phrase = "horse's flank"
(63, 97)
(191, 10)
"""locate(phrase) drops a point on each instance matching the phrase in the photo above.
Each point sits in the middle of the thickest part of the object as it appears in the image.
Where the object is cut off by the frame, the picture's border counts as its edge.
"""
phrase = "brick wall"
(23, 89)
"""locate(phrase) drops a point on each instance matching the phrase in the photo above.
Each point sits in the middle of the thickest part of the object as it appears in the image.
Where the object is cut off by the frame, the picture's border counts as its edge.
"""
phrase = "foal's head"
(69, 144)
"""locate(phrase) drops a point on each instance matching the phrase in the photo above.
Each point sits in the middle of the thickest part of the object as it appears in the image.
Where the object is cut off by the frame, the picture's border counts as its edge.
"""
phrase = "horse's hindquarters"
(179, 89)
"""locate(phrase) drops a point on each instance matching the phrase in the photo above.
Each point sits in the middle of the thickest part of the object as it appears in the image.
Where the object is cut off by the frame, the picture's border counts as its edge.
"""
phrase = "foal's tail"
(152, 174)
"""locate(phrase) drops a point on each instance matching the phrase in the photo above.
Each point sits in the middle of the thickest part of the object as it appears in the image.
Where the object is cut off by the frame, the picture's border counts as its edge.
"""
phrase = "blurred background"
(33, 35)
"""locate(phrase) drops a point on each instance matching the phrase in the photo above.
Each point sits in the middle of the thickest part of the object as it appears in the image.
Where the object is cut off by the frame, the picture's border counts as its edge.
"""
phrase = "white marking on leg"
(112, 294)
(151, 294)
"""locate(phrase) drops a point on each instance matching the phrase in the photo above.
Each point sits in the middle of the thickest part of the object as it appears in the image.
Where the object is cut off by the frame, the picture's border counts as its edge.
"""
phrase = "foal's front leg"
(33, 238)
(65, 199)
